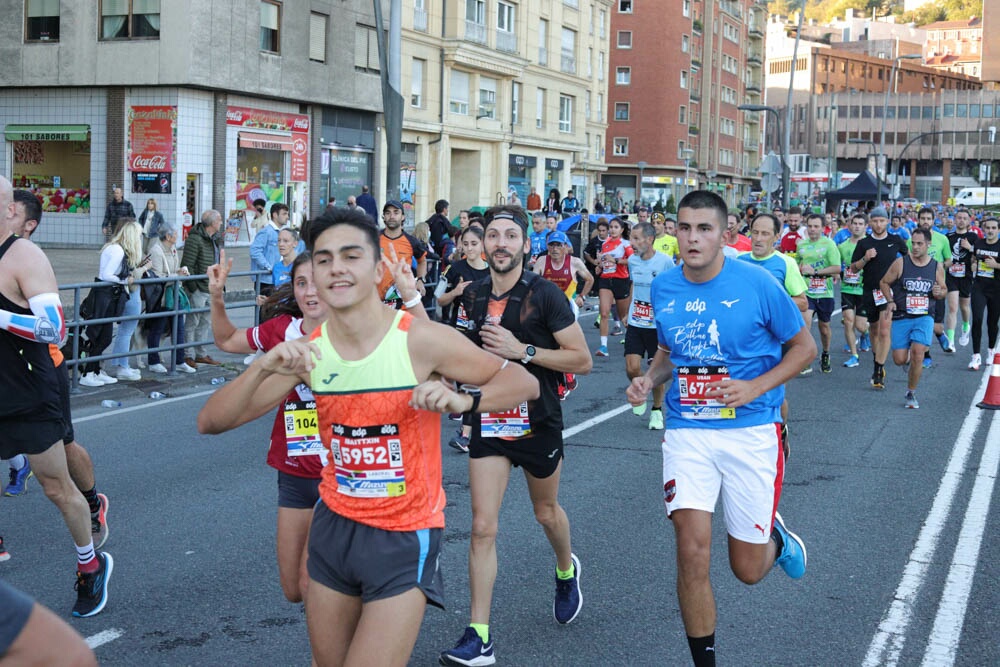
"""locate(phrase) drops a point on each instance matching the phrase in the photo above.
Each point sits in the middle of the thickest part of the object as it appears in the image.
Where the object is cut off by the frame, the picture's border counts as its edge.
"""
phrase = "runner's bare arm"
(37, 285)
(228, 337)
(660, 371)
(405, 283)
(940, 289)
(582, 271)
(437, 349)
(891, 276)
(799, 352)
(260, 388)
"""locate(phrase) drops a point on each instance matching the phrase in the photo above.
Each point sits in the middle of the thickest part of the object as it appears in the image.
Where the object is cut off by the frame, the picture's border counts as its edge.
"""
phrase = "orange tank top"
(384, 457)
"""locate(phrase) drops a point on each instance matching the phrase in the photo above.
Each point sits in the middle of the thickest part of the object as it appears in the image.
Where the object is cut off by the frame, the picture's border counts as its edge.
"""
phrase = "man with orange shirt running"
(375, 538)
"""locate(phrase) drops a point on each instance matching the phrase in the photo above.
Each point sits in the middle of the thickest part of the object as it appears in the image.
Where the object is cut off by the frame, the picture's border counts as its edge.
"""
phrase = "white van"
(975, 197)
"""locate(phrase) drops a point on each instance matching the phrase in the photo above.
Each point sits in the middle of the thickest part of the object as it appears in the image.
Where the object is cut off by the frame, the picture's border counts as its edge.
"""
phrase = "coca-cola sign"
(263, 119)
(152, 138)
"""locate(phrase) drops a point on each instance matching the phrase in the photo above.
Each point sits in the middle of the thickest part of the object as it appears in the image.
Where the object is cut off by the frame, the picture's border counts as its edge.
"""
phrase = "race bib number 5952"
(368, 460)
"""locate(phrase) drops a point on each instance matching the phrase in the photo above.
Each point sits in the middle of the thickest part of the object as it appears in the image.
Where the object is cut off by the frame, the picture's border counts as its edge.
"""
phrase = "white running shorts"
(746, 464)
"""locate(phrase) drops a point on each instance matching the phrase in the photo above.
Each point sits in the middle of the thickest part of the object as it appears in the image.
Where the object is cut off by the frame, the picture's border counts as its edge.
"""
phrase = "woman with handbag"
(130, 241)
(118, 259)
(164, 260)
(150, 220)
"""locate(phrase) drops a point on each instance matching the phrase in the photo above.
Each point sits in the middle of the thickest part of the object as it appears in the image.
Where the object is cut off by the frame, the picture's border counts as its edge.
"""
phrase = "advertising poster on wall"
(152, 139)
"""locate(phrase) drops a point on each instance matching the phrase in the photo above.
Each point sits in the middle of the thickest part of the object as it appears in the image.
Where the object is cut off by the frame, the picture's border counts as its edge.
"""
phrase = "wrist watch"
(529, 354)
(475, 392)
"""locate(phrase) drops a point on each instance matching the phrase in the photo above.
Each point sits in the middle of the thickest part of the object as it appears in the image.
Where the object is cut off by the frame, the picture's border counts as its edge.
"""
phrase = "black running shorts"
(961, 285)
(297, 493)
(539, 454)
(640, 341)
(619, 287)
(63, 374)
(22, 435)
(371, 563)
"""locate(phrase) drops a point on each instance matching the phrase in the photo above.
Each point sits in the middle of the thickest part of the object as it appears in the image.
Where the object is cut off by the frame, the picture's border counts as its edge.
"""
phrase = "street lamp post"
(783, 139)
(989, 166)
(889, 86)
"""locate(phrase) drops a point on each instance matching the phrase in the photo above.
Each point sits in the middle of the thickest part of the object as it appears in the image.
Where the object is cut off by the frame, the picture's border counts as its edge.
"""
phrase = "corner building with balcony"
(679, 70)
(192, 105)
(502, 96)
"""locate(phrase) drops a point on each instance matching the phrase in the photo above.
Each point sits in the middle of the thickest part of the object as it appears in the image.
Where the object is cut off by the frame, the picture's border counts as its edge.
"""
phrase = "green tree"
(671, 205)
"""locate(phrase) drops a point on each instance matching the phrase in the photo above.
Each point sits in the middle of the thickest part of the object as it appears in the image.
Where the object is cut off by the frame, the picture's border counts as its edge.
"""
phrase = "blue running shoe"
(92, 588)
(19, 481)
(866, 343)
(470, 651)
(792, 558)
(852, 362)
(569, 599)
(602, 351)
(927, 362)
(945, 344)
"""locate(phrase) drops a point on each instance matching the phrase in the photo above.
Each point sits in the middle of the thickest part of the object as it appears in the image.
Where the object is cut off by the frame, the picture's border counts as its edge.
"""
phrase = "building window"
(41, 21)
(420, 15)
(475, 21)
(506, 35)
(620, 146)
(543, 42)
(586, 107)
(417, 83)
(682, 115)
(366, 49)
(621, 110)
(685, 43)
(317, 36)
(487, 97)
(686, 8)
(684, 79)
(603, 21)
(458, 100)
(623, 76)
(565, 113)
(540, 108)
(270, 26)
(624, 6)
(515, 104)
(590, 62)
(600, 66)
(568, 53)
(624, 39)
(130, 19)
(55, 161)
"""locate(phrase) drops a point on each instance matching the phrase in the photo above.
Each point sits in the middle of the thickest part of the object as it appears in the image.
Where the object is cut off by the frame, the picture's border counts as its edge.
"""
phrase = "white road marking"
(594, 421)
(104, 637)
(947, 630)
(144, 406)
(888, 642)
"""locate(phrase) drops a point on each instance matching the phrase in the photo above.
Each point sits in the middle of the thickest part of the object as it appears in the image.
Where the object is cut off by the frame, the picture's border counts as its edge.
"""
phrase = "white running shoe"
(158, 368)
(963, 340)
(184, 368)
(105, 378)
(976, 362)
(91, 380)
(128, 374)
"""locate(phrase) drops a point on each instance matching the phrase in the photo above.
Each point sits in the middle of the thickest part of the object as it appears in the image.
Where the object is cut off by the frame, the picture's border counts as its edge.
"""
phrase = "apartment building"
(955, 46)
(681, 68)
(502, 97)
(191, 105)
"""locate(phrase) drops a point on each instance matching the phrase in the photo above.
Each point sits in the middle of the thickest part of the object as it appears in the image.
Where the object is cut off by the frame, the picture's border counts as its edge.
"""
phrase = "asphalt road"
(885, 498)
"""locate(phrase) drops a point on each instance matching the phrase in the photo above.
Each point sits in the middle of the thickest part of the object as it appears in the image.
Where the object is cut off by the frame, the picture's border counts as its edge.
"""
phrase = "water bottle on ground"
(218, 380)
(111, 404)
(156, 395)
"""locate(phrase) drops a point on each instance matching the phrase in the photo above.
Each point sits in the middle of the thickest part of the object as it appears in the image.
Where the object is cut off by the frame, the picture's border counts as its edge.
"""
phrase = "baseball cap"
(392, 202)
(878, 212)
(558, 237)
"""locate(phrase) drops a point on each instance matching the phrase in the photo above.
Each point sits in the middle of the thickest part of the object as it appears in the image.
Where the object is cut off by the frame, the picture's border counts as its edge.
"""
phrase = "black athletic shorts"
(620, 287)
(22, 435)
(871, 311)
(297, 493)
(371, 563)
(822, 307)
(641, 341)
(961, 285)
(15, 608)
(539, 454)
(853, 302)
(63, 374)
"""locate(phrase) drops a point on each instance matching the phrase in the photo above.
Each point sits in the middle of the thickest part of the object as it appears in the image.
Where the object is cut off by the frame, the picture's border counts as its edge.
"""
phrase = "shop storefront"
(347, 141)
(659, 189)
(553, 175)
(272, 158)
(54, 162)
(521, 175)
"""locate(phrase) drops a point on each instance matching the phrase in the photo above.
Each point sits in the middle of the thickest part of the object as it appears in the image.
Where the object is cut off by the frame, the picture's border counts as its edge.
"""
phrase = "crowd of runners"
(712, 322)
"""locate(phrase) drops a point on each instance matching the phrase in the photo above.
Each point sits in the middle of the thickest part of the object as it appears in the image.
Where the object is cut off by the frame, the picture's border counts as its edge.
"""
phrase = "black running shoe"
(92, 588)
(824, 363)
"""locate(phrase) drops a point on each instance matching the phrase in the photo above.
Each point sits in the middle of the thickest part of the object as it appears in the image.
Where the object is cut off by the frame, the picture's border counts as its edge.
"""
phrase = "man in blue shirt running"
(729, 337)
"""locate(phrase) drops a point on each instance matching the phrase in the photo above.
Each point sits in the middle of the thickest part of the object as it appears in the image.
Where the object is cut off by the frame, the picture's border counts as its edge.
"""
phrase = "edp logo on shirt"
(696, 306)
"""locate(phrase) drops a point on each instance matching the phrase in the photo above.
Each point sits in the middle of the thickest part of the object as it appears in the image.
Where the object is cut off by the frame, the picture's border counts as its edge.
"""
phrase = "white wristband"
(415, 301)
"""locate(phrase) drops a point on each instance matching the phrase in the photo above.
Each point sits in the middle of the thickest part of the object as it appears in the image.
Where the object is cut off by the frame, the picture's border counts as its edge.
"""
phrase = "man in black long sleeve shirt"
(118, 207)
(874, 254)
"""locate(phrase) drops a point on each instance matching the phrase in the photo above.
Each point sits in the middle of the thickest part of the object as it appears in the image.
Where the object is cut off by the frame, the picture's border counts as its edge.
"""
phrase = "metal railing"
(475, 32)
(420, 20)
(77, 325)
(506, 41)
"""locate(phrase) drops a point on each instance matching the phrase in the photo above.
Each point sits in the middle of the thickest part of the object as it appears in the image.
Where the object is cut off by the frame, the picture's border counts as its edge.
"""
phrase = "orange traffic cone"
(991, 401)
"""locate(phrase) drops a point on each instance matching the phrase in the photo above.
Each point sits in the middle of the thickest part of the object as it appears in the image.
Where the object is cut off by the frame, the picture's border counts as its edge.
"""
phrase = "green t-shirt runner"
(818, 254)
(850, 281)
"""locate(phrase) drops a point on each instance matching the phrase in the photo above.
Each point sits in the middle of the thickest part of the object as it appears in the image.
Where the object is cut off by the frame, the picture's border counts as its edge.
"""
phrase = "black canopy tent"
(862, 188)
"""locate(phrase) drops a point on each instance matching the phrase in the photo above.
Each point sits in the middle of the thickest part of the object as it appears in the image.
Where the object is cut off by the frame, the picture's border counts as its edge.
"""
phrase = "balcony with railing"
(754, 30)
(420, 20)
(750, 144)
(567, 62)
(475, 32)
(731, 8)
(507, 41)
(754, 57)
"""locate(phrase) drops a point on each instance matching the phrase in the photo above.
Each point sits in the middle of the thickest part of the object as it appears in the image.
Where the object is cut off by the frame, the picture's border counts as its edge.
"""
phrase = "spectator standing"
(553, 205)
(368, 203)
(150, 220)
(164, 262)
(129, 245)
(534, 201)
(513, 199)
(201, 252)
(570, 204)
(352, 202)
(118, 207)
(440, 225)
(264, 252)
(288, 250)
(260, 216)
